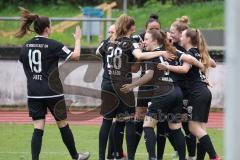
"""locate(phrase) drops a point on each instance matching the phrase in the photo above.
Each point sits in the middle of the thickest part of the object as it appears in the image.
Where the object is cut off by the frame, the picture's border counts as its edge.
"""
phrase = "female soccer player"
(176, 30)
(143, 99)
(167, 97)
(107, 125)
(200, 96)
(119, 56)
(39, 57)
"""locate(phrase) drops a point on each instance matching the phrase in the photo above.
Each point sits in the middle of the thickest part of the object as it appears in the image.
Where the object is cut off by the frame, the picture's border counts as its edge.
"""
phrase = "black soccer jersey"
(180, 48)
(119, 59)
(181, 77)
(40, 57)
(166, 75)
(195, 74)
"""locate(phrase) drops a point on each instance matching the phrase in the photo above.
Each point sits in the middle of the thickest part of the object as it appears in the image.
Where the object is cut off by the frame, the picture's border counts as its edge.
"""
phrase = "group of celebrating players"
(173, 88)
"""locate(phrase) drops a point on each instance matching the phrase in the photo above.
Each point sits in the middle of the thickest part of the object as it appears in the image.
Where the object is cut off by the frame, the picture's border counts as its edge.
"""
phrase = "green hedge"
(4, 3)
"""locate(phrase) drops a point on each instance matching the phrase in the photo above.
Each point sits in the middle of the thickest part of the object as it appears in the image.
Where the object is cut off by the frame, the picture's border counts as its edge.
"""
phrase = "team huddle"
(174, 67)
(172, 89)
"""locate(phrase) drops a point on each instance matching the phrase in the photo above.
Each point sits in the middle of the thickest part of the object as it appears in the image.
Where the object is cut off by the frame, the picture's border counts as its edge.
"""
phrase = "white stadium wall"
(13, 84)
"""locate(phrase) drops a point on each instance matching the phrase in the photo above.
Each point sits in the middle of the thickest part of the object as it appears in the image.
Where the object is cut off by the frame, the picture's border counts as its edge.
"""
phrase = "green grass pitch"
(15, 142)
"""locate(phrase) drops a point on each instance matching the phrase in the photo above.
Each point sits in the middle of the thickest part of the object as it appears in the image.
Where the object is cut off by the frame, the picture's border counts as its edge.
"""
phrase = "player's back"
(39, 57)
(120, 60)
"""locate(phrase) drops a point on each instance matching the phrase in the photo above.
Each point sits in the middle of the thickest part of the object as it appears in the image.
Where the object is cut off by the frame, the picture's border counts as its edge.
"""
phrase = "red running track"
(216, 119)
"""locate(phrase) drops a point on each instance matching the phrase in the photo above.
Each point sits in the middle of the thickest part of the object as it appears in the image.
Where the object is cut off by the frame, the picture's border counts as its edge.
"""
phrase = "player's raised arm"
(77, 48)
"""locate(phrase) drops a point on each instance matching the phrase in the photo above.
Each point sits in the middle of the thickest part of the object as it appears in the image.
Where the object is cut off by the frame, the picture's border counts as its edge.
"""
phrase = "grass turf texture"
(202, 15)
(16, 139)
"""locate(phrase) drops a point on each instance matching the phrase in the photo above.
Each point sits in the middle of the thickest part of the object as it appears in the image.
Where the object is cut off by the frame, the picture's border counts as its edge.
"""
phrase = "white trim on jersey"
(136, 46)
(180, 58)
(66, 50)
(97, 51)
(68, 56)
(38, 97)
(161, 59)
(40, 36)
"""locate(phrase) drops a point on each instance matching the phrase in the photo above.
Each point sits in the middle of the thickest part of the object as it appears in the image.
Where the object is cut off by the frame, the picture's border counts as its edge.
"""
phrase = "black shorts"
(38, 108)
(116, 104)
(185, 86)
(186, 110)
(167, 107)
(200, 102)
(144, 96)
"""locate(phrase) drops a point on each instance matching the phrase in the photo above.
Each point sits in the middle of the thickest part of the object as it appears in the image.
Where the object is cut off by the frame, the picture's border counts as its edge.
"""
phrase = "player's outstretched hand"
(78, 33)
(169, 56)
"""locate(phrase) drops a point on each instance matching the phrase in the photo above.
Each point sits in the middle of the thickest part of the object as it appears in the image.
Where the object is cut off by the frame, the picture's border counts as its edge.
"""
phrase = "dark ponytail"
(39, 23)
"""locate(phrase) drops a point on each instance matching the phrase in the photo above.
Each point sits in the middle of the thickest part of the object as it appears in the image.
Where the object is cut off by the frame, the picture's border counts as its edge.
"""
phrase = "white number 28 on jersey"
(35, 62)
(116, 58)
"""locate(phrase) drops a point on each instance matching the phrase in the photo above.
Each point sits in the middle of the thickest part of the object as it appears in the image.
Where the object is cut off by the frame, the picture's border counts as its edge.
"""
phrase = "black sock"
(116, 133)
(130, 139)
(103, 137)
(161, 138)
(111, 146)
(121, 136)
(36, 143)
(119, 133)
(191, 140)
(150, 140)
(179, 141)
(170, 138)
(68, 140)
(139, 130)
(200, 152)
(206, 143)
(191, 143)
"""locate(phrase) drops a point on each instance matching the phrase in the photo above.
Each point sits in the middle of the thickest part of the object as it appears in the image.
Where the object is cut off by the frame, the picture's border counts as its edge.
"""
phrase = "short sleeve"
(191, 53)
(62, 51)
(100, 49)
(137, 38)
(135, 45)
(21, 56)
(179, 55)
(128, 46)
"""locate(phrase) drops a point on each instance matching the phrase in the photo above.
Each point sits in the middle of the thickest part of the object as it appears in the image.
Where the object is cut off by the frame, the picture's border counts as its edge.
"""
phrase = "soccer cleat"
(83, 156)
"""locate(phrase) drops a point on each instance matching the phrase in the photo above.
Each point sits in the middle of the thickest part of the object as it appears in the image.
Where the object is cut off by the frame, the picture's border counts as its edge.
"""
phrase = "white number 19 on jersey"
(35, 62)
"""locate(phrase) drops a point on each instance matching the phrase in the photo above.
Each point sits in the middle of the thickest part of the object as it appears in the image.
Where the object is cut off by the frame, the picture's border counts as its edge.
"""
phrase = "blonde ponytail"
(203, 49)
